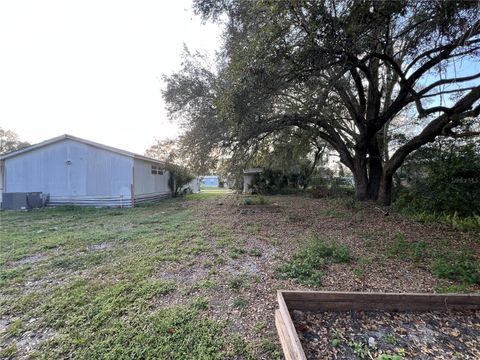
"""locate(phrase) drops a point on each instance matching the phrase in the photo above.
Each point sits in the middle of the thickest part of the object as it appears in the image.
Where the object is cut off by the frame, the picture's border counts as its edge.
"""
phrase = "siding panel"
(148, 185)
(71, 172)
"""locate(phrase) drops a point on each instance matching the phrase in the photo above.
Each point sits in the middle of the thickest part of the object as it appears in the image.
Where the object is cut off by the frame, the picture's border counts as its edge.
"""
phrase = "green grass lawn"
(84, 281)
(208, 193)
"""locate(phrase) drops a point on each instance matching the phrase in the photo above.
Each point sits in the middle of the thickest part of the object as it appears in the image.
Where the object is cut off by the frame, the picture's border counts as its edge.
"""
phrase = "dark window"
(157, 170)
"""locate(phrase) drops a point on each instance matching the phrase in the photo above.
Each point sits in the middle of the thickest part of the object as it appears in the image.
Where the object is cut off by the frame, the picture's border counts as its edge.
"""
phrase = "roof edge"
(80, 140)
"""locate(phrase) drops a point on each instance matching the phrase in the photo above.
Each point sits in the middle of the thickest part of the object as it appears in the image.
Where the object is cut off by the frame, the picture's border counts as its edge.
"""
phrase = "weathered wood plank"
(284, 338)
(319, 300)
(292, 342)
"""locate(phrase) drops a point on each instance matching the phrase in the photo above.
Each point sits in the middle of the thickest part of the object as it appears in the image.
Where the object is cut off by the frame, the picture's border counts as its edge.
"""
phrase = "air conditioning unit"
(23, 200)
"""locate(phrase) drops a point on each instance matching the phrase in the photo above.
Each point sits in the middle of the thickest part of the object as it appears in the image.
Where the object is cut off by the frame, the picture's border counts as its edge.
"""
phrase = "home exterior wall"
(1, 179)
(72, 173)
(148, 186)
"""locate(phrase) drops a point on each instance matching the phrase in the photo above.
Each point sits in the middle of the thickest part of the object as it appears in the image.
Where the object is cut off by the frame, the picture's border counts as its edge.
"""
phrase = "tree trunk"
(375, 170)
(385, 190)
(361, 177)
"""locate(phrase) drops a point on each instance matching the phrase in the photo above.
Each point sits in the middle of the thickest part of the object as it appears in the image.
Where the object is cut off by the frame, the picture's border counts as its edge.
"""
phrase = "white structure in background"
(81, 172)
(248, 176)
(192, 187)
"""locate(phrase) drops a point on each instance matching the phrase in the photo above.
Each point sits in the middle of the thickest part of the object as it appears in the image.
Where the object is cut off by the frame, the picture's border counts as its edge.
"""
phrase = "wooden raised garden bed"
(326, 301)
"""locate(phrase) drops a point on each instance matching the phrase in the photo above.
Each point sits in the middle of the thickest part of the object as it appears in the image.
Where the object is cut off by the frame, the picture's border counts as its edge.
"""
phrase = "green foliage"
(468, 223)
(391, 339)
(336, 338)
(444, 179)
(359, 348)
(271, 348)
(454, 288)
(285, 71)
(447, 264)
(463, 267)
(179, 177)
(308, 264)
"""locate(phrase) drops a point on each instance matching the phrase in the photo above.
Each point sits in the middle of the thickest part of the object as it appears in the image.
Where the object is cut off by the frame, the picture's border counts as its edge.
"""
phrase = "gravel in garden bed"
(389, 335)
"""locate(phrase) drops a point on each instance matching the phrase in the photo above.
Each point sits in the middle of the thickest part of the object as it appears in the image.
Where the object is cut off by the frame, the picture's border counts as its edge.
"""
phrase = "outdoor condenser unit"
(23, 200)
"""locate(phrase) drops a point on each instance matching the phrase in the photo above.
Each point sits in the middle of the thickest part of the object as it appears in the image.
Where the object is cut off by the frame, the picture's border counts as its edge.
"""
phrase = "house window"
(157, 170)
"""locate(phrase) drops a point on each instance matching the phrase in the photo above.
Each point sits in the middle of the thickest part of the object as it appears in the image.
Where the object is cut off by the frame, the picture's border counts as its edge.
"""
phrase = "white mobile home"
(76, 171)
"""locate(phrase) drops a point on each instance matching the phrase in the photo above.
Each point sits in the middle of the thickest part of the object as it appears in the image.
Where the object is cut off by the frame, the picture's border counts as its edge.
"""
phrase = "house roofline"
(80, 140)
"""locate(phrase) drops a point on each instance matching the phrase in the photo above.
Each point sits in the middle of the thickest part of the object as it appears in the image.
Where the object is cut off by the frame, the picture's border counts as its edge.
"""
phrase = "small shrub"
(307, 265)
(463, 267)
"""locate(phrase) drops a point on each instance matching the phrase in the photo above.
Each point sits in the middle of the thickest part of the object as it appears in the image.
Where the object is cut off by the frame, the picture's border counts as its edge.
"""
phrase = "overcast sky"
(93, 68)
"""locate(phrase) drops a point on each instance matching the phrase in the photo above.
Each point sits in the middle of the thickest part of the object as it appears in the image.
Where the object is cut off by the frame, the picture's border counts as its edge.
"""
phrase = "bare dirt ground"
(279, 228)
(411, 335)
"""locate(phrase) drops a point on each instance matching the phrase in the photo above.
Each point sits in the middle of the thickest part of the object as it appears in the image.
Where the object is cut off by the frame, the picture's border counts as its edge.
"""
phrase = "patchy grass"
(87, 276)
(403, 249)
(307, 266)
(196, 277)
(460, 267)
(446, 263)
(240, 303)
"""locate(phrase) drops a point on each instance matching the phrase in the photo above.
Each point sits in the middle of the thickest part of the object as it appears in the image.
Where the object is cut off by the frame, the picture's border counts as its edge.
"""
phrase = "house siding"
(72, 172)
(148, 186)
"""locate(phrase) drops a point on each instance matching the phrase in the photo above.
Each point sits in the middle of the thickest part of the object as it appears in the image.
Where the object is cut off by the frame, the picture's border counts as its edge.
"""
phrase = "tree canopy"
(376, 80)
(9, 141)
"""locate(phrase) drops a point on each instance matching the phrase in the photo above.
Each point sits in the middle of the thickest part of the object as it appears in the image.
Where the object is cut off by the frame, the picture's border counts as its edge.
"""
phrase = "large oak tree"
(353, 73)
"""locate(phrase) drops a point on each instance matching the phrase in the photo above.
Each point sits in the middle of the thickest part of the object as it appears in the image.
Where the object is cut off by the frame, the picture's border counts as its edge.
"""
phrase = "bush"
(442, 179)
(179, 177)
